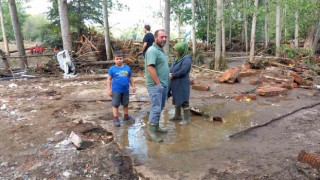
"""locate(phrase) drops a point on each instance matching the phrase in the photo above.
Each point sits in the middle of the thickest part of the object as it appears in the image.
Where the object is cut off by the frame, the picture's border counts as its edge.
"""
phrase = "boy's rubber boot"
(160, 130)
(152, 132)
(177, 114)
(186, 115)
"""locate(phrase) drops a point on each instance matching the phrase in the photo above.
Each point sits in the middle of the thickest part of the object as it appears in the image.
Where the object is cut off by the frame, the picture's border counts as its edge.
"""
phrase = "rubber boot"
(177, 113)
(152, 132)
(186, 116)
(160, 130)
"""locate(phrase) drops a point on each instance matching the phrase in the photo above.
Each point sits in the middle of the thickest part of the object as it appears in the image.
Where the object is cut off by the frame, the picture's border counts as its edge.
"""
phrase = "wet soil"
(38, 115)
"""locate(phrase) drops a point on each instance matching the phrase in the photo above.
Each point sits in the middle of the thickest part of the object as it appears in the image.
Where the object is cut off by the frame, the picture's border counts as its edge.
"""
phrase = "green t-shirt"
(156, 56)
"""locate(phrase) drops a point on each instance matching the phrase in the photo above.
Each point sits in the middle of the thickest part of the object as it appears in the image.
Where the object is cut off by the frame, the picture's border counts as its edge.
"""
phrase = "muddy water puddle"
(200, 134)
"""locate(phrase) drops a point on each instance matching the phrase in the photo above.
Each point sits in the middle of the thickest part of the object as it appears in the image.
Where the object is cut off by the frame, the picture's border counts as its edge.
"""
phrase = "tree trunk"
(65, 26)
(217, 55)
(179, 28)
(167, 26)
(316, 39)
(309, 38)
(246, 29)
(223, 40)
(208, 23)
(193, 30)
(266, 24)
(284, 23)
(4, 34)
(278, 31)
(230, 26)
(253, 32)
(17, 34)
(296, 29)
(106, 29)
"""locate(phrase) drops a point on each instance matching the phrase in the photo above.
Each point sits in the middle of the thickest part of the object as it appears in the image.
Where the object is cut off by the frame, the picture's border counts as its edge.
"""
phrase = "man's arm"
(143, 47)
(153, 74)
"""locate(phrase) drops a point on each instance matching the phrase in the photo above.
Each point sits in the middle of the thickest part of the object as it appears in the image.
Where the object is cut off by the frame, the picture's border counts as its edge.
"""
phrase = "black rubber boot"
(186, 116)
(152, 132)
(160, 130)
(177, 114)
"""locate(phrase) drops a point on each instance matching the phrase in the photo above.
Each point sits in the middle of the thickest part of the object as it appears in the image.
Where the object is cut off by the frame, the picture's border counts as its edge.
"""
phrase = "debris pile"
(277, 76)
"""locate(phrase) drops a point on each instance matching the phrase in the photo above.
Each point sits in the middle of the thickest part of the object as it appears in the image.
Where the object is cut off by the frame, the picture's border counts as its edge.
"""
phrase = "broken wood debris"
(276, 78)
(206, 116)
(230, 76)
(311, 158)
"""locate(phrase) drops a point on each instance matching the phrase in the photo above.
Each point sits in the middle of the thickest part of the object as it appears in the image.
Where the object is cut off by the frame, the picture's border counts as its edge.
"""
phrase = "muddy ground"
(37, 116)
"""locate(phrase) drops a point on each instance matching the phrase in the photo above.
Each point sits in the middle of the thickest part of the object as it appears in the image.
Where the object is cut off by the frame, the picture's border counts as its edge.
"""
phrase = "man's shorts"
(120, 98)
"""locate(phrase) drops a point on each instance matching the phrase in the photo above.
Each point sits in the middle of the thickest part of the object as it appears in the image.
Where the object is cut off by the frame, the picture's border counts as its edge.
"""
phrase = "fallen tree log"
(92, 63)
(204, 69)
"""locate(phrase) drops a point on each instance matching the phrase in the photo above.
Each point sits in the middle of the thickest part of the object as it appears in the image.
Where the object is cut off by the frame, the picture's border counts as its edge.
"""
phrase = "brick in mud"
(201, 87)
(271, 91)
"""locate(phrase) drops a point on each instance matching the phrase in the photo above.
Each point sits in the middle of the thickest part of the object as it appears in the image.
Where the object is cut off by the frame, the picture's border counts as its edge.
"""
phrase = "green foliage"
(81, 13)
(180, 9)
(288, 51)
(199, 59)
(34, 28)
(7, 18)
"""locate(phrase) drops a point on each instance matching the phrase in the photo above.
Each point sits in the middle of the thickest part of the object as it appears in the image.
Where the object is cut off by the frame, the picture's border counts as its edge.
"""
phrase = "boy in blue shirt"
(118, 82)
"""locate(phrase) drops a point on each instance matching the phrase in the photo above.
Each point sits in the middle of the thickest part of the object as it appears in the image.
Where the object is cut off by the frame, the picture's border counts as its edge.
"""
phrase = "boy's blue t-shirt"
(120, 78)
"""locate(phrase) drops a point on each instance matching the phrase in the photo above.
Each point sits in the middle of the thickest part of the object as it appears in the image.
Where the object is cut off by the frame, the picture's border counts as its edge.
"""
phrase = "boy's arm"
(132, 85)
(109, 90)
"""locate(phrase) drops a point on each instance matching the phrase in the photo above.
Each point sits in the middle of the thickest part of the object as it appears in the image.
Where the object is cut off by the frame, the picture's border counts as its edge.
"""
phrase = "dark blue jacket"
(180, 84)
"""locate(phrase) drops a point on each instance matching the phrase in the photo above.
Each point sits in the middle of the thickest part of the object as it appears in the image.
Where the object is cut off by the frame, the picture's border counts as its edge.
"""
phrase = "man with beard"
(157, 80)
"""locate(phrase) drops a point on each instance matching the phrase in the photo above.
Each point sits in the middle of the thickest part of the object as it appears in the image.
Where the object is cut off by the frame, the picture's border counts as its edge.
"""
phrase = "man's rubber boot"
(186, 116)
(160, 130)
(152, 132)
(177, 114)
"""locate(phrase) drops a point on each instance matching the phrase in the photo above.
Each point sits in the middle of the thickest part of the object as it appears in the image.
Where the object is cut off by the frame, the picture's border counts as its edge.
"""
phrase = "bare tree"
(208, 22)
(266, 24)
(253, 31)
(278, 28)
(167, 26)
(246, 28)
(106, 30)
(17, 34)
(4, 34)
(193, 29)
(65, 25)
(296, 28)
(316, 38)
(223, 39)
(217, 56)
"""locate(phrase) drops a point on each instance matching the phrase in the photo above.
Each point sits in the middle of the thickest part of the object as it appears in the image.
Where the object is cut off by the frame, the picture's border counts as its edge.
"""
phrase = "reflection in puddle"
(198, 135)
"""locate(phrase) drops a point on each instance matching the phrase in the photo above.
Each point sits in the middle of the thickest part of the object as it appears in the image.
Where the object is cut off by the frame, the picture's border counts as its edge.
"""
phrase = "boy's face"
(118, 60)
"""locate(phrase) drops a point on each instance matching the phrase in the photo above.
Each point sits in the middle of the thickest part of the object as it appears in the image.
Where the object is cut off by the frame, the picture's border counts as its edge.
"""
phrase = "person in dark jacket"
(180, 82)
(148, 40)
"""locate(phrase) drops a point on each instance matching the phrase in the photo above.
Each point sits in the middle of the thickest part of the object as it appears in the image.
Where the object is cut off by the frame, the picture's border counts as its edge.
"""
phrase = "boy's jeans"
(158, 96)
